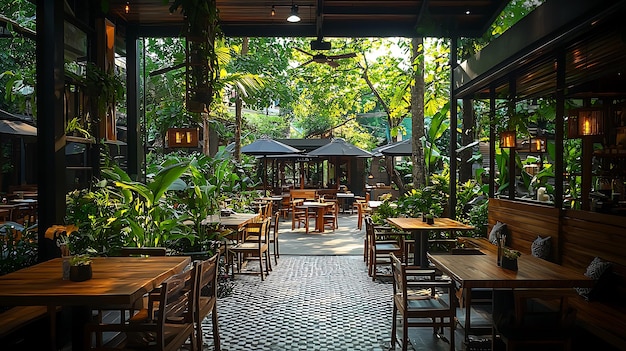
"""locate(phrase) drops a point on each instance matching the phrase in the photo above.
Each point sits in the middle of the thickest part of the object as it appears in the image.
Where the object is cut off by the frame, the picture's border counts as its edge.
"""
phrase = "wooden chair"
(362, 210)
(285, 207)
(331, 216)
(205, 295)
(421, 302)
(381, 244)
(299, 215)
(169, 329)
(541, 317)
(253, 247)
(274, 237)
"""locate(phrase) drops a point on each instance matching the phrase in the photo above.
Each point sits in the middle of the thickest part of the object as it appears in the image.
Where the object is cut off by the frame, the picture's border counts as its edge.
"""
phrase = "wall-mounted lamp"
(294, 17)
(273, 12)
(127, 7)
(508, 139)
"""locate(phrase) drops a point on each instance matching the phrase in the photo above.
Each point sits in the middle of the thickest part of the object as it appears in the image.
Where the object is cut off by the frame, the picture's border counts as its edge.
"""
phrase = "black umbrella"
(17, 128)
(266, 146)
(401, 148)
(339, 147)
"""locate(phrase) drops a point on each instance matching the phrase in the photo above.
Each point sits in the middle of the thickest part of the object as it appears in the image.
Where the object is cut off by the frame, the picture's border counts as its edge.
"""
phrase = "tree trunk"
(417, 112)
(238, 108)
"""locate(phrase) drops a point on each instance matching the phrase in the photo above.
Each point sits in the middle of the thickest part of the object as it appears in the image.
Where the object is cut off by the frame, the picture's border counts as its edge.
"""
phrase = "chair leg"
(405, 332)
(216, 331)
(393, 327)
(261, 266)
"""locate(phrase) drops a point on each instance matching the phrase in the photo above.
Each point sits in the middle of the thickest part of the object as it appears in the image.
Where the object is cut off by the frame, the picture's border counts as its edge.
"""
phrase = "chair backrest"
(142, 251)
(422, 280)
(543, 309)
(176, 303)
(206, 277)
(276, 224)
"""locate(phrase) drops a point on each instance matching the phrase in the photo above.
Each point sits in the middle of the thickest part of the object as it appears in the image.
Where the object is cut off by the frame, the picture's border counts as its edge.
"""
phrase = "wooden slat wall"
(525, 222)
(586, 235)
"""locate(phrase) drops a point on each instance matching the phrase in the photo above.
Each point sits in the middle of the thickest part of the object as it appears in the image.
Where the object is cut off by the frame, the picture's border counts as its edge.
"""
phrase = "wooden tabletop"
(116, 281)
(481, 271)
(345, 194)
(234, 221)
(440, 224)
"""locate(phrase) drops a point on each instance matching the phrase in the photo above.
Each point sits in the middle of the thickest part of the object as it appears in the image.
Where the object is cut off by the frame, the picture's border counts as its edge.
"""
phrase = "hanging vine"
(201, 30)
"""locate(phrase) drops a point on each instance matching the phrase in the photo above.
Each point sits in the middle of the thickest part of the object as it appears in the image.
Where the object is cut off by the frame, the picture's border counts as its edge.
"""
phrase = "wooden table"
(235, 221)
(10, 207)
(481, 271)
(319, 216)
(341, 198)
(116, 281)
(420, 230)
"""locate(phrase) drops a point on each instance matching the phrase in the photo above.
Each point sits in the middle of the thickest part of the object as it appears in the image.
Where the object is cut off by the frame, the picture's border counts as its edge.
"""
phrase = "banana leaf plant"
(144, 209)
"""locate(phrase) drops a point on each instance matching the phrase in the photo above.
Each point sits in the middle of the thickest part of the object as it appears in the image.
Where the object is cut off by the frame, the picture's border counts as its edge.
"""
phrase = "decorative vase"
(423, 217)
(509, 264)
(80, 273)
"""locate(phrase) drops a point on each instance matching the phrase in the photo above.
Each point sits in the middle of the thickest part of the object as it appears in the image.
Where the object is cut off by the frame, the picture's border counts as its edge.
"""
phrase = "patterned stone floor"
(307, 303)
(318, 297)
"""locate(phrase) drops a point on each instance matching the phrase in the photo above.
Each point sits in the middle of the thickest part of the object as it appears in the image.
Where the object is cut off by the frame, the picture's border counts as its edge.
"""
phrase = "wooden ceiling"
(330, 18)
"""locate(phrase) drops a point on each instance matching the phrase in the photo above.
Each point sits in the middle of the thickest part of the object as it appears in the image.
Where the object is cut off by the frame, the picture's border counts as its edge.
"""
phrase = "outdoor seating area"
(314, 175)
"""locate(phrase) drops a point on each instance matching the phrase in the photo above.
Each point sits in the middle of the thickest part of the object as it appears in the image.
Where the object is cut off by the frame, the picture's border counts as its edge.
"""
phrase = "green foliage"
(18, 247)
(384, 211)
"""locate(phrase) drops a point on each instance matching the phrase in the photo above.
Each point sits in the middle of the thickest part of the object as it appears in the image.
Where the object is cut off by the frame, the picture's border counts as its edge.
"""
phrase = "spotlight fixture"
(127, 7)
(293, 17)
(273, 13)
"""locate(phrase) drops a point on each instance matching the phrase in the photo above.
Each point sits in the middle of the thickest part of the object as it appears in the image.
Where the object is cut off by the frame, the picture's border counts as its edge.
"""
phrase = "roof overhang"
(590, 35)
(329, 18)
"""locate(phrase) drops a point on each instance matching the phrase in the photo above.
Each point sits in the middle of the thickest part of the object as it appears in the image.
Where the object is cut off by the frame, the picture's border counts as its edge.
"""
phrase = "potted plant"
(430, 218)
(80, 268)
(509, 258)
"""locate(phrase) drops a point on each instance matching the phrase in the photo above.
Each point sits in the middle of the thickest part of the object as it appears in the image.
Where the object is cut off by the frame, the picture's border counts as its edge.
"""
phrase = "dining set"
(433, 284)
(159, 297)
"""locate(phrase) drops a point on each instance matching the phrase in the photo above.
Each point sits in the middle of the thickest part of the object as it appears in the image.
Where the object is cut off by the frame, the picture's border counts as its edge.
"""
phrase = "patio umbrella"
(17, 128)
(401, 148)
(264, 147)
(337, 148)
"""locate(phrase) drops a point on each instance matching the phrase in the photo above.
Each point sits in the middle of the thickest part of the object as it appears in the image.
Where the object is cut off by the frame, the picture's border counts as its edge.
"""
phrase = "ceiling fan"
(327, 59)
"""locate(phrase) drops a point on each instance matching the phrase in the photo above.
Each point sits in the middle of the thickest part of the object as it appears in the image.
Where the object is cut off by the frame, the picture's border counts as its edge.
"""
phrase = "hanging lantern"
(538, 144)
(590, 122)
(508, 139)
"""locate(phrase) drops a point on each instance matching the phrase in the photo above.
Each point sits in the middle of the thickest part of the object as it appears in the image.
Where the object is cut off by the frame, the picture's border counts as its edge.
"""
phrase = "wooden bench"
(16, 318)
(586, 235)
(577, 238)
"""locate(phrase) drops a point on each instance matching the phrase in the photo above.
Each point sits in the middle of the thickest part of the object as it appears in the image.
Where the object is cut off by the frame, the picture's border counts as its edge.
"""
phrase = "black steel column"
(559, 126)
(512, 165)
(453, 129)
(50, 124)
(134, 144)
(492, 141)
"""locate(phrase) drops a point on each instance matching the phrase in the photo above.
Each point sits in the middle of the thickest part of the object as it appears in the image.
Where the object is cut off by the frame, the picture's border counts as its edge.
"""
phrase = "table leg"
(468, 313)
(81, 315)
(421, 247)
(319, 220)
